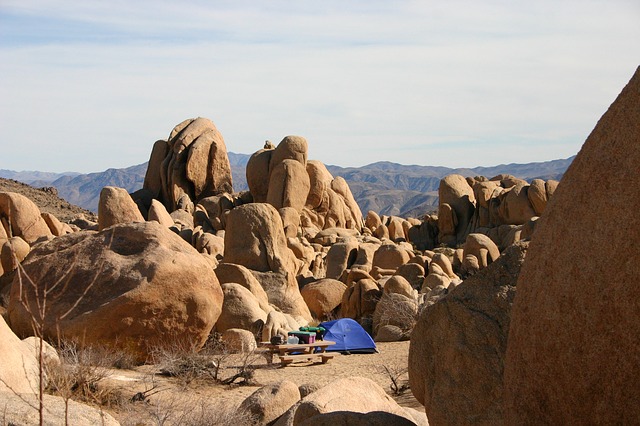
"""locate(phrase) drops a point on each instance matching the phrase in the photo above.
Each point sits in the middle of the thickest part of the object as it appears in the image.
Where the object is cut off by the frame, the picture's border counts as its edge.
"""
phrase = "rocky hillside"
(384, 187)
(84, 189)
(46, 199)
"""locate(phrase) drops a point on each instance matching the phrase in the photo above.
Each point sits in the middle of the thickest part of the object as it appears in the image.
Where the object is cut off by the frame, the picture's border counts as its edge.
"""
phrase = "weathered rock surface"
(231, 273)
(270, 402)
(240, 309)
(19, 367)
(323, 296)
(455, 192)
(18, 410)
(239, 340)
(21, 218)
(354, 394)
(284, 178)
(136, 286)
(116, 206)
(372, 418)
(193, 162)
(255, 238)
(574, 353)
(456, 357)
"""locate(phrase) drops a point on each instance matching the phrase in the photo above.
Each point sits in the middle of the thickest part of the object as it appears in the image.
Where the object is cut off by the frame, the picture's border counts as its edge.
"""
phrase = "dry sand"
(174, 394)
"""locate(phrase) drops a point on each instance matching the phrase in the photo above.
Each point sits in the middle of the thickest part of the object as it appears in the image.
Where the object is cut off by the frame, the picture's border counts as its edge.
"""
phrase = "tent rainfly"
(349, 336)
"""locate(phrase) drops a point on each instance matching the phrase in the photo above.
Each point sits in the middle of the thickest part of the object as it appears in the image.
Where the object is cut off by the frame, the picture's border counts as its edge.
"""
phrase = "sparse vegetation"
(79, 373)
(399, 377)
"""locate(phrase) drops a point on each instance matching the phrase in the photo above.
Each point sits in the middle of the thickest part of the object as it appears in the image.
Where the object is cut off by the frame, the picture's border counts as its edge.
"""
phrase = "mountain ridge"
(384, 187)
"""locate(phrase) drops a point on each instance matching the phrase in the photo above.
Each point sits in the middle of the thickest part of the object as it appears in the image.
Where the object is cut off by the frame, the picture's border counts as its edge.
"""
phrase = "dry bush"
(79, 373)
(399, 384)
(190, 365)
(245, 366)
(185, 362)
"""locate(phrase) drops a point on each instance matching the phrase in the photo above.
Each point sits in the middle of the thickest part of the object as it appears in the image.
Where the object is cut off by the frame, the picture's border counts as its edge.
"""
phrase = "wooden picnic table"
(299, 352)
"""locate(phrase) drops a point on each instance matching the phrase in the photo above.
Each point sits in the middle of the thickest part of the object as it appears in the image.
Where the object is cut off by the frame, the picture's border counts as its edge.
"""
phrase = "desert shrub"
(79, 373)
(187, 363)
(399, 378)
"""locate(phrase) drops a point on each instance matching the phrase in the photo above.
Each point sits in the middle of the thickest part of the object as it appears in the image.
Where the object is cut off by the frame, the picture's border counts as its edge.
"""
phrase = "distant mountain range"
(384, 187)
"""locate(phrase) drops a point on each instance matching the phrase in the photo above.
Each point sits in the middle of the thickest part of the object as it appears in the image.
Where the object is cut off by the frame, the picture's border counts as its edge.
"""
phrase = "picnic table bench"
(289, 353)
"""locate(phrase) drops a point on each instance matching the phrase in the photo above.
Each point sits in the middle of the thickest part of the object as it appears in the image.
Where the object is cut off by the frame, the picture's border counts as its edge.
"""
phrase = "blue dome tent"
(349, 336)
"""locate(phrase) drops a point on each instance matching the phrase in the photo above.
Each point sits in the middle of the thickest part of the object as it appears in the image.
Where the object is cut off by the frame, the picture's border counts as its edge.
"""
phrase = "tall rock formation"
(192, 162)
(573, 353)
(283, 177)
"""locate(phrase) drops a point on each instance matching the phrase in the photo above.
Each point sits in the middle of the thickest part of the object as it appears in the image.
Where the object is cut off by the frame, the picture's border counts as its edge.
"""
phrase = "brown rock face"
(258, 174)
(574, 353)
(255, 238)
(240, 309)
(19, 367)
(284, 178)
(193, 162)
(515, 208)
(152, 180)
(323, 296)
(271, 401)
(135, 286)
(12, 252)
(116, 206)
(458, 346)
(288, 185)
(456, 192)
(355, 394)
(21, 218)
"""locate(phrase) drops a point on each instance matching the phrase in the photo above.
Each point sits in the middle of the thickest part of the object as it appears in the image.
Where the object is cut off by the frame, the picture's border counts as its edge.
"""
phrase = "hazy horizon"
(92, 85)
(328, 164)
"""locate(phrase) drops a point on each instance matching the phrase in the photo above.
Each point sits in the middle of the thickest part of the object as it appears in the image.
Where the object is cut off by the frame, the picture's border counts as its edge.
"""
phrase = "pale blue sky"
(89, 85)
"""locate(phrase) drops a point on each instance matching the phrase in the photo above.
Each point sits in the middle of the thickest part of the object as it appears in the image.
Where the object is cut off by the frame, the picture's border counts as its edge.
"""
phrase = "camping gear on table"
(349, 336)
(318, 330)
(304, 336)
(278, 339)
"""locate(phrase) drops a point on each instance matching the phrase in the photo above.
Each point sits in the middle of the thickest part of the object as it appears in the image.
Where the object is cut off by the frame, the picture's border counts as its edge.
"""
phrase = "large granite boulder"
(574, 353)
(19, 370)
(193, 162)
(455, 192)
(21, 218)
(255, 239)
(270, 402)
(116, 206)
(354, 394)
(323, 296)
(456, 357)
(134, 286)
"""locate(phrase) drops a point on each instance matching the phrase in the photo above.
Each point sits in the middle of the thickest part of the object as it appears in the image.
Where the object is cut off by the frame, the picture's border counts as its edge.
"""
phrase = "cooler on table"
(304, 336)
(318, 330)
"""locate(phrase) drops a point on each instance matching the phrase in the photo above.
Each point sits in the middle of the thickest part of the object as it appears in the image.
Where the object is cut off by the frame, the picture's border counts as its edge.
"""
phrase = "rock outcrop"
(456, 357)
(193, 162)
(19, 371)
(573, 355)
(352, 394)
(283, 177)
(323, 297)
(21, 218)
(116, 206)
(135, 286)
(270, 402)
